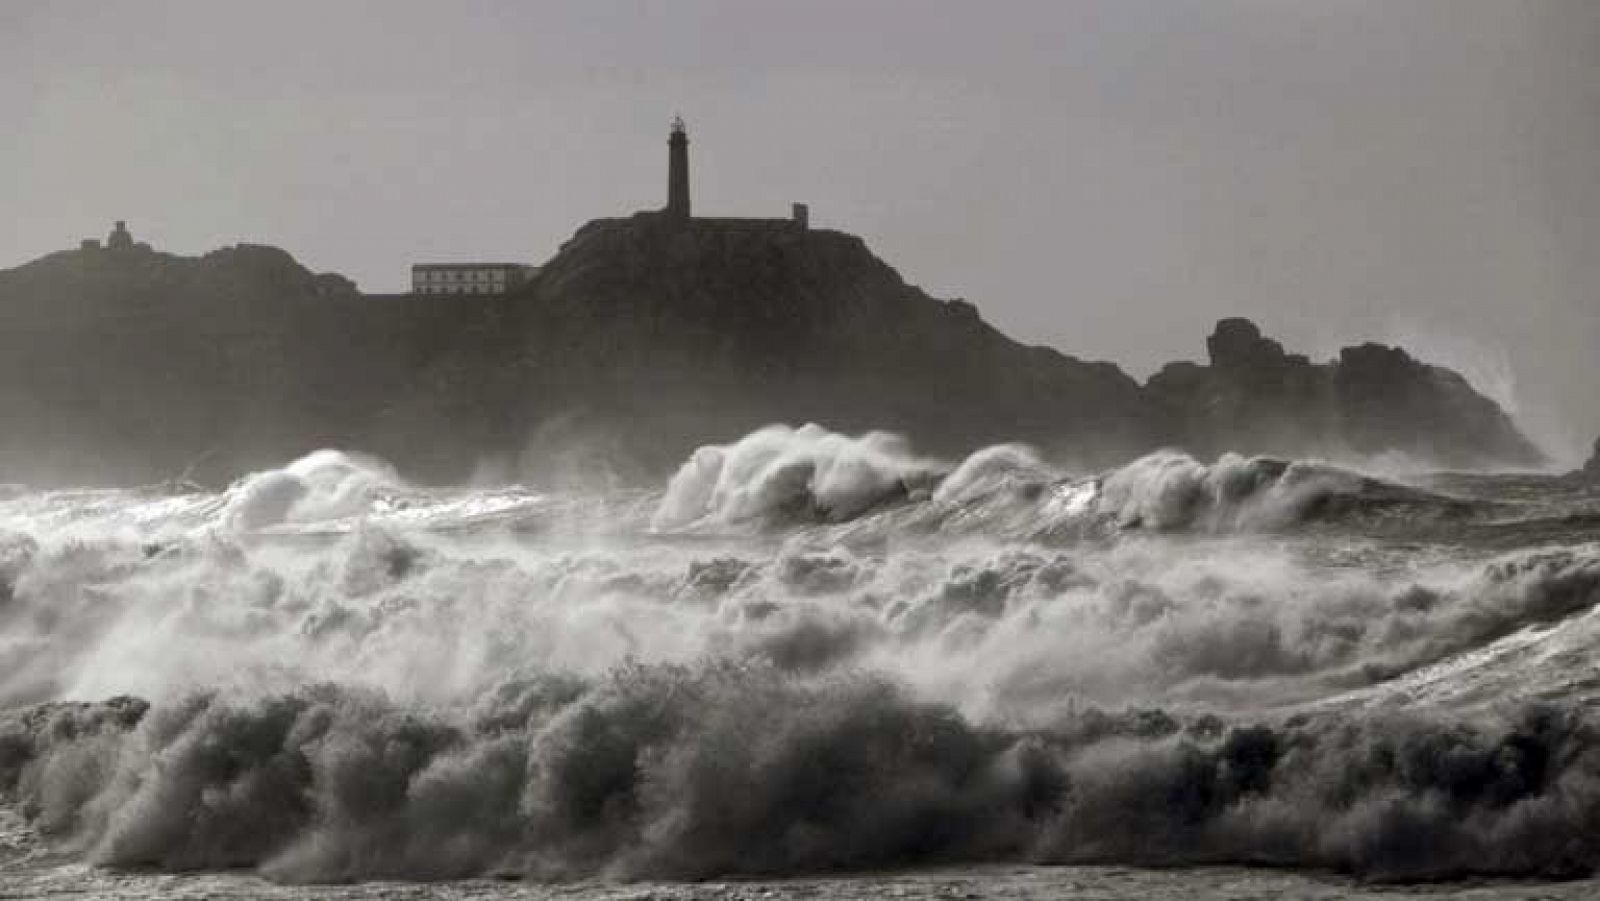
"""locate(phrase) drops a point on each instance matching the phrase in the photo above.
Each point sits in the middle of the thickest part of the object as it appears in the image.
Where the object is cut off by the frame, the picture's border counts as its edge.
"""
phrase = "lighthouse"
(678, 171)
(677, 211)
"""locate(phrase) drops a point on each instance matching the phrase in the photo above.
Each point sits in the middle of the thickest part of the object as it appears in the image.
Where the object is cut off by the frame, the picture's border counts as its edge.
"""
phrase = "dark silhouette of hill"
(641, 339)
(658, 336)
(119, 367)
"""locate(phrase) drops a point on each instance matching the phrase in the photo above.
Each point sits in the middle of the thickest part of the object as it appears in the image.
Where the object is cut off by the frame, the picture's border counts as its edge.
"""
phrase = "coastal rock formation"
(1372, 400)
(641, 339)
(124, 365)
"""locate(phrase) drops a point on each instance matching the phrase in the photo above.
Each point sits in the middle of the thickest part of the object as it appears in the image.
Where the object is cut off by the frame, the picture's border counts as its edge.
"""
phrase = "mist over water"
(806, 652)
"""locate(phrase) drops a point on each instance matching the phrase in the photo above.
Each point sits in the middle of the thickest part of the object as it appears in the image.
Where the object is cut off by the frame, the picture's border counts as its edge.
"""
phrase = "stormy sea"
(809, 665)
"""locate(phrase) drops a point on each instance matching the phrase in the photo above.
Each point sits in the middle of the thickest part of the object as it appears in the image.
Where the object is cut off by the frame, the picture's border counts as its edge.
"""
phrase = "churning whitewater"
(807, 653)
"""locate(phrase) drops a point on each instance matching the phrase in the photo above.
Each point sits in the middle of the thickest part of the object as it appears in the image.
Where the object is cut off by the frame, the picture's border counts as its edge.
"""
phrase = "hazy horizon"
(1108, 178)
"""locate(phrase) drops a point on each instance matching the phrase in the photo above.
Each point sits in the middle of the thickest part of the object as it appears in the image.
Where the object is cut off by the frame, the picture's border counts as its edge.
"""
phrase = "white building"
(469, 278)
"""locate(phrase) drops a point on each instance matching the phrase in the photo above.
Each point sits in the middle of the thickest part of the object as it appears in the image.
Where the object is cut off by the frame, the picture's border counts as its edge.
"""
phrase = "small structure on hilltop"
(469, 278)
(678, 170)
(121, 238)
(120, 242)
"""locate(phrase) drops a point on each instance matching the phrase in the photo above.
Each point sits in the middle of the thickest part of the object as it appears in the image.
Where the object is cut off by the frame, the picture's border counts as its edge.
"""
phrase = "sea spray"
(809, 651)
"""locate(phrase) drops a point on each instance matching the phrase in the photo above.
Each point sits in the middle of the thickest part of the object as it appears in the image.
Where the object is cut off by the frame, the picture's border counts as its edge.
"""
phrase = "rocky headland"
(640, 339)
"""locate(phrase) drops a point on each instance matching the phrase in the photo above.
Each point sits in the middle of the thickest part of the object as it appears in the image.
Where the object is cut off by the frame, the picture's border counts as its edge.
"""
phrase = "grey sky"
(1105, 177)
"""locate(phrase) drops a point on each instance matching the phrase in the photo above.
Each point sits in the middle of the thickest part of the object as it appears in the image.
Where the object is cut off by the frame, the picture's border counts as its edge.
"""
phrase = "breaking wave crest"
(781, 477)
(321, 486)
(808, 473)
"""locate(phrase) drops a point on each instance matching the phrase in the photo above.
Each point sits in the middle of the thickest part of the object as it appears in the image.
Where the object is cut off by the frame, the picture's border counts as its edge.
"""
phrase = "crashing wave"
(807, 474)
(783, 477)
(321, 486)
(1170, 490)
(688, 772)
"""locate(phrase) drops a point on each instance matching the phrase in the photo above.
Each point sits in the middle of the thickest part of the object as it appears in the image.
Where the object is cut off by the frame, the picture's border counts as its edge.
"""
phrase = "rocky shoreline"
(640, 339)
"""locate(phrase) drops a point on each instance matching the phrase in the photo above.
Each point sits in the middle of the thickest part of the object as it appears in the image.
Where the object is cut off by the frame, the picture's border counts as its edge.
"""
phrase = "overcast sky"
(1105, 177)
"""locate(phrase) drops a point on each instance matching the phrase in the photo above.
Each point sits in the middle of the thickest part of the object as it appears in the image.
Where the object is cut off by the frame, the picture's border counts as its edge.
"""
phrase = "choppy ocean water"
(809, 666)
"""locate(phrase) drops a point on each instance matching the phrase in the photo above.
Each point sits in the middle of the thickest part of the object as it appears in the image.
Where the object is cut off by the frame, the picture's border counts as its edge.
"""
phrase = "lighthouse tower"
(678, 171)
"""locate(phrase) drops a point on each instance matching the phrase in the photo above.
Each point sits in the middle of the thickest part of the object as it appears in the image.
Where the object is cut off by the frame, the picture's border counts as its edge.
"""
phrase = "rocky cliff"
(639, 340)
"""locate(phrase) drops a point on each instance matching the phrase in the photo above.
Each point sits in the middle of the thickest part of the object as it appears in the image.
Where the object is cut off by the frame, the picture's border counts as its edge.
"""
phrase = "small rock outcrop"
(1591, 469)
(1372, 400)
